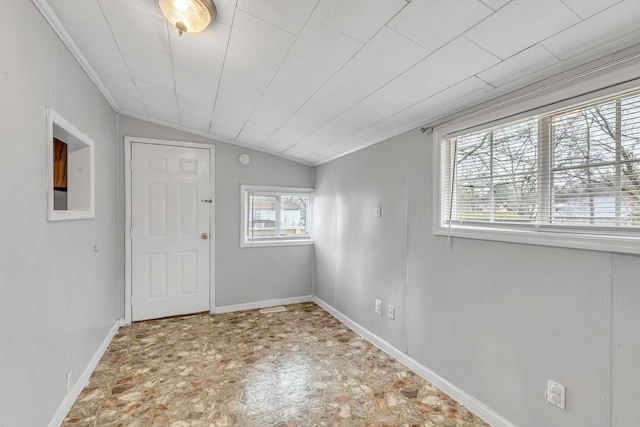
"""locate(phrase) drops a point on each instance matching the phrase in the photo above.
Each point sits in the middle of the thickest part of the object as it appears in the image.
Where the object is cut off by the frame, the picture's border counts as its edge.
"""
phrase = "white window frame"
(246, 242)
(589, 238)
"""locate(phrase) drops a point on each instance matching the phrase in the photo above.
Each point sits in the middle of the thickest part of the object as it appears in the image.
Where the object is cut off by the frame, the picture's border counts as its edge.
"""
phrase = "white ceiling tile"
(255, 133)
(398, 123)
(199, 106)
(256, 50)
(196, 60)
(587, 8)
(597, 31)
(528, 63)
(404, 91)
(359, 19)
(385, 57)
(355, 141)
(129, 102)
(85, 16)
(324, 137)
(373, 133)
(158, 74)
(135, 22)
(457, 61)
(160, 102)
(283, 139)
(495, 4)
(521, 24)
(339, 129)
(259, 40)
(290, 15)
(433, 23)
(304, 149)
(147, 6)
(467, 93)
(113, 66)
(241, 86)
(199, 123)
(324, 47)
(225, 128)
(226, 121)
(142, 51)
(275, 147)
(297, 80)
(302, 124)
(124, 85)
(199, 86)
(225, 11)
(214, 38)
(431, 108)
(92, 44)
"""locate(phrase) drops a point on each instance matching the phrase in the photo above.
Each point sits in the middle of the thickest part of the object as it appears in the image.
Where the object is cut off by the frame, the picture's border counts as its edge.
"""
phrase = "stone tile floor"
(301, 367)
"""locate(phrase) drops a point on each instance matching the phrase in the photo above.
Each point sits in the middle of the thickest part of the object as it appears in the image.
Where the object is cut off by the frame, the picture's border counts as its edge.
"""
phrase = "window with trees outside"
(575, 170)
(275, 216)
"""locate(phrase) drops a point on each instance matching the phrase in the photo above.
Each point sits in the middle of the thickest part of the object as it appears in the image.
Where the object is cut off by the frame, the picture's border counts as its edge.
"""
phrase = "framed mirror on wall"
(70, 170)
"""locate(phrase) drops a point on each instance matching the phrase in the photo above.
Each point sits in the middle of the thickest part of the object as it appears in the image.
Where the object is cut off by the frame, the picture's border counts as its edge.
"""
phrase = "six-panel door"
(170, 242)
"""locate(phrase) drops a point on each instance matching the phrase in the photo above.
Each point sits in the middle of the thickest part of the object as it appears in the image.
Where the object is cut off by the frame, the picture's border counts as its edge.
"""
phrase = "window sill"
(270, 243)
(545, 237)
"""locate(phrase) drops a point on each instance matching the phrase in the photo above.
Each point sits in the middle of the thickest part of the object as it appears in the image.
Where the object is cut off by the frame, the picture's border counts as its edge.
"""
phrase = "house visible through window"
(576, 169)
(275, 216)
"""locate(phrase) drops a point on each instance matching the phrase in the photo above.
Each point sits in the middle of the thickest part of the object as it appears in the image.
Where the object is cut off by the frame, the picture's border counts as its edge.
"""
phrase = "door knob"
(204, 236)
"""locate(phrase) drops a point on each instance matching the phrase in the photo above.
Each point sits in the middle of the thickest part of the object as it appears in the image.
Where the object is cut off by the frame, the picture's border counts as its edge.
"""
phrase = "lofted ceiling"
(311, 80)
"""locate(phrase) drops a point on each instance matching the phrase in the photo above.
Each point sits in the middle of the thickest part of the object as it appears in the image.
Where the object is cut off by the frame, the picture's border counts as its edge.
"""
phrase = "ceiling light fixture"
(188, 16)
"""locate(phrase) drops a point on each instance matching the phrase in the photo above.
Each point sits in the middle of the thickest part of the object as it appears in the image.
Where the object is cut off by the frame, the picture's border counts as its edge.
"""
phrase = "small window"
(573, 173)
(70, 170)
(275, 216)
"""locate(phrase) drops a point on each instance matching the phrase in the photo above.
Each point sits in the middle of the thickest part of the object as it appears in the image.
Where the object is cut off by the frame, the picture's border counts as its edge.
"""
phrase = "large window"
(576, 171)
(275, 216)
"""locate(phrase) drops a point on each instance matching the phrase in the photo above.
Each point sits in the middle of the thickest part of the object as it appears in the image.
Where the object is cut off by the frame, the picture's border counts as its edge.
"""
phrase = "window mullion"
(492, 206)
(618, 177)
(545, 149)
(278, 209)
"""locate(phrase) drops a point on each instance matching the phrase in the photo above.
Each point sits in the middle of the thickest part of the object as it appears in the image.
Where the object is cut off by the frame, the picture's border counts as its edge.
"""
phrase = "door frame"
(128, 142)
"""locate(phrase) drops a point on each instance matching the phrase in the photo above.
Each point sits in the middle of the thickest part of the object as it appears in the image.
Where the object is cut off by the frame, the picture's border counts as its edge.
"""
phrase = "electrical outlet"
(69, 379)
(379, 307)
(378, 211)
(391, 312)
(556, 394)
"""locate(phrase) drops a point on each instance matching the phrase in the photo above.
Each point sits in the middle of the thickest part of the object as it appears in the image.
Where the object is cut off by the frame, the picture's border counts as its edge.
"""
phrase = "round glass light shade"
(188, 16)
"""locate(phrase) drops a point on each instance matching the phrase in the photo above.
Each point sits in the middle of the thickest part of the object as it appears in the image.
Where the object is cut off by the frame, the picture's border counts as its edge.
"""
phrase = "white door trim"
(128, 141)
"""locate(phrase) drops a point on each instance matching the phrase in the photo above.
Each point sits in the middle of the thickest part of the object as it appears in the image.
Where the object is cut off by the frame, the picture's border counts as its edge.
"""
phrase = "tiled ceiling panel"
(521, 24)
(432, 23)
(311, 80)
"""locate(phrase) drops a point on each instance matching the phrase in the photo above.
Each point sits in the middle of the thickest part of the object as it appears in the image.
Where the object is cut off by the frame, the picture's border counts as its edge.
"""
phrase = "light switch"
(556, 394)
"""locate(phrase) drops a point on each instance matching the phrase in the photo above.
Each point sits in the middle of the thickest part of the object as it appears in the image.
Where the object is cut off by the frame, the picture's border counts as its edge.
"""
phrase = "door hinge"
(132, 165)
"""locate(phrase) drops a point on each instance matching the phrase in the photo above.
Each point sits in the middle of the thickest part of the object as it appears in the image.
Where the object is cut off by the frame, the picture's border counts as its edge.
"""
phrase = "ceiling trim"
(55, 23)
(214, 138)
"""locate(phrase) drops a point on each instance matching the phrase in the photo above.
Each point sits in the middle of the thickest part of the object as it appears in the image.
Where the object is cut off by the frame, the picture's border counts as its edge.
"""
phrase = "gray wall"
(249, 274)
(495, 319)
(57, 296)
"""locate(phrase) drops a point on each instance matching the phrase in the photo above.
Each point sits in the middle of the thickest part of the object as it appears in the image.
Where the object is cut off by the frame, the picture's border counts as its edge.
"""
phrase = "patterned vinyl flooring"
(300, 367)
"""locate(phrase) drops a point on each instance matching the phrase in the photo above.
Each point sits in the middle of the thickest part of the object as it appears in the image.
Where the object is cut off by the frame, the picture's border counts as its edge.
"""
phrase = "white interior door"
(170, 227)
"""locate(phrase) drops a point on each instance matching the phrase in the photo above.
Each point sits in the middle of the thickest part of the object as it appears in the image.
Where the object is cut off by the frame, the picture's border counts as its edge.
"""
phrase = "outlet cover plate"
(379, 307)
(391, 312)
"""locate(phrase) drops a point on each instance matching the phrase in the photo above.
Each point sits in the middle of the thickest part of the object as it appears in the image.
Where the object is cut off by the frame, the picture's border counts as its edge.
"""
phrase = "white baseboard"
(471, 403)
(82, 381)
(261, 304)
